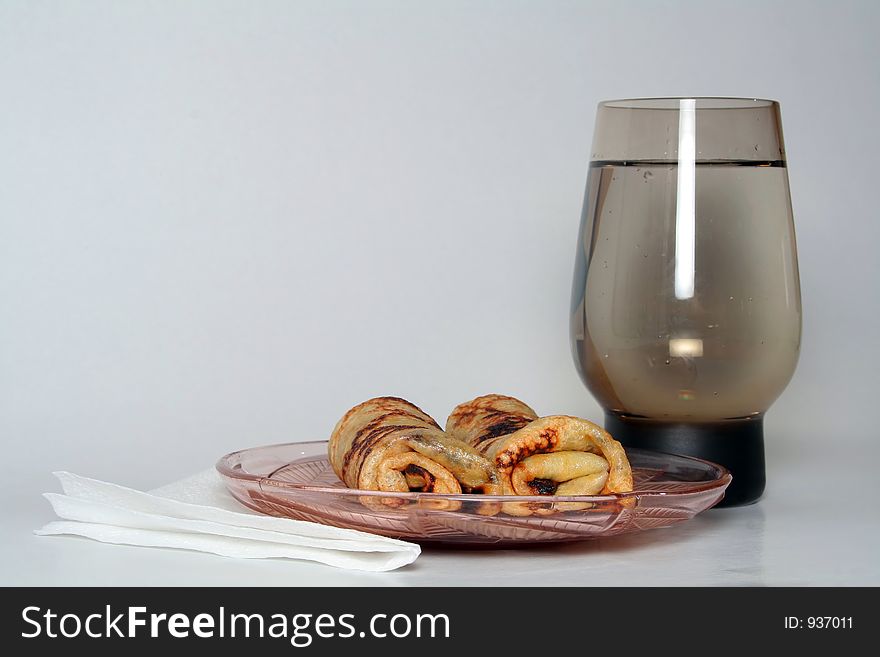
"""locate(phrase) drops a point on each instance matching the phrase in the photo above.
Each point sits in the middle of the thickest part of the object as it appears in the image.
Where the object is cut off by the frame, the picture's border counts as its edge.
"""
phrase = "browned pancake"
(389, 444)
(555, 455)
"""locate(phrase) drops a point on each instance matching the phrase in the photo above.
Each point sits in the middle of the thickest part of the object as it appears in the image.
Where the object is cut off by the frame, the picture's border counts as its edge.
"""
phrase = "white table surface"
(818, 524)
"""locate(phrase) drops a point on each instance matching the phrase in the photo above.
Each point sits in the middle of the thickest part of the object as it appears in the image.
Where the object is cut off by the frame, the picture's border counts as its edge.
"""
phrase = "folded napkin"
(197, 513)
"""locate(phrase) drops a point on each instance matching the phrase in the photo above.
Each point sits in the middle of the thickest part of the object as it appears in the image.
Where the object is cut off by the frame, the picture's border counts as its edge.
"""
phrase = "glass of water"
(686, 310)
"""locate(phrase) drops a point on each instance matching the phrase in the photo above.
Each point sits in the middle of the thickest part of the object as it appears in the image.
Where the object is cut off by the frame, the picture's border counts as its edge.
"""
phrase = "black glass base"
(738, 445)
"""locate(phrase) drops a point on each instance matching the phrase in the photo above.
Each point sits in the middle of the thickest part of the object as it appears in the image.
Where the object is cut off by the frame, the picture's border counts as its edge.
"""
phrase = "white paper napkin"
(197, 513)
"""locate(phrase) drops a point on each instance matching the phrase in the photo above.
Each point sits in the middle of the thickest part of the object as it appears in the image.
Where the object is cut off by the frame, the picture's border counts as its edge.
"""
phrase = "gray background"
(222, 224)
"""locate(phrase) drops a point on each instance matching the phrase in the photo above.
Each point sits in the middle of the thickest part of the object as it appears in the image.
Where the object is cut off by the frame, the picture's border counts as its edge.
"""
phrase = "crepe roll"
(554, 455)
(389, 444)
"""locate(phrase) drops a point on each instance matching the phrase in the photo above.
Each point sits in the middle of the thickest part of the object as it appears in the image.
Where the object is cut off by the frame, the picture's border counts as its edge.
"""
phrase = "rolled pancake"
(389, 444)
(554, 455)
(488, 417)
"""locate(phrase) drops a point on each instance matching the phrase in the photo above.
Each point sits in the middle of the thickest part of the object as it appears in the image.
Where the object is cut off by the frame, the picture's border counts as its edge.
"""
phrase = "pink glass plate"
(295, 480)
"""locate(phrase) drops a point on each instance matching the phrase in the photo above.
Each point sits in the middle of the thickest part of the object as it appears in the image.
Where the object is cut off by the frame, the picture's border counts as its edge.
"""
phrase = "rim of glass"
(702, 103)
(226, 466)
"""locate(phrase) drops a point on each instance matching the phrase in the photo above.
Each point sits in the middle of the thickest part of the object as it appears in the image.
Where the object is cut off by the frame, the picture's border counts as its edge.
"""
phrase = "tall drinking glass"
(686, 310)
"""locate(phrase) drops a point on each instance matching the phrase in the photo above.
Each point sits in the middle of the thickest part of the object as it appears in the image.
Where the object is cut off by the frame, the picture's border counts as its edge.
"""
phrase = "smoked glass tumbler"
(686, 309)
